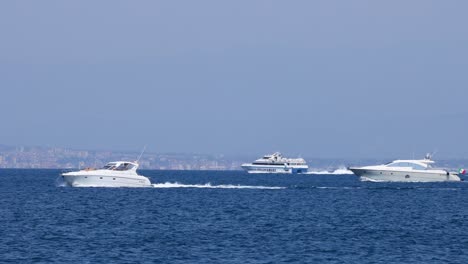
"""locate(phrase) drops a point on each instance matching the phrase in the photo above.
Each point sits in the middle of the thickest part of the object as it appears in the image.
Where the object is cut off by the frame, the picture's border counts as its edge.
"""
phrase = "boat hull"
(255, 169)
(403, 176)
(105, 181)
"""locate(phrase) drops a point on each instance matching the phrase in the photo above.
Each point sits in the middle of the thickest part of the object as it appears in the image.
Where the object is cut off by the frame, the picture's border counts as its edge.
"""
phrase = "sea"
(232, 217)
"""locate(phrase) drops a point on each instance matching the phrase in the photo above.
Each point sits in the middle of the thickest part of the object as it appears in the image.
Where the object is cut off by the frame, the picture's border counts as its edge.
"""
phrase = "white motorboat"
(113, 174)
(276, 163)
(405, 171)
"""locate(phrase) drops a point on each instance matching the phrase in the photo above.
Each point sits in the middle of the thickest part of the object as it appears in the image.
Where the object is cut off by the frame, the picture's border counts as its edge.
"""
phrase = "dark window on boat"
(125, 166)
(270, 164)
(109, 167)
(122, 167)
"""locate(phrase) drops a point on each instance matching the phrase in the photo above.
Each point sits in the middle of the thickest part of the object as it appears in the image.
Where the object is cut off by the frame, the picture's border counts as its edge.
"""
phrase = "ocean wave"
(339, 187)
(209, 186)
(60, 183)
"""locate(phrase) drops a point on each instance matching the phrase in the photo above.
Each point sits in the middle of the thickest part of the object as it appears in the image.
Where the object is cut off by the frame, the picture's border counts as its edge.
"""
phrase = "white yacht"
(113, 174)
(405, 171)
(275, 163)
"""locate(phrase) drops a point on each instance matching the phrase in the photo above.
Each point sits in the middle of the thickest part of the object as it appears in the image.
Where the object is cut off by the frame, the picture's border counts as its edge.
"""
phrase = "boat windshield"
(109, 166)
(412, 165)
(119, 166)
(125, 166)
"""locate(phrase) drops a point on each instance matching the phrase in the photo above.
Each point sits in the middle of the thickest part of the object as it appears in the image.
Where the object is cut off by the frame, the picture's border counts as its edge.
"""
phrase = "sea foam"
(340, 171)
(209, 186)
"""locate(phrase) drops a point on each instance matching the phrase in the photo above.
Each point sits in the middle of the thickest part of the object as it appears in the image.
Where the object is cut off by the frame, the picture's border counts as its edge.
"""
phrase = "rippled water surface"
(232, 217)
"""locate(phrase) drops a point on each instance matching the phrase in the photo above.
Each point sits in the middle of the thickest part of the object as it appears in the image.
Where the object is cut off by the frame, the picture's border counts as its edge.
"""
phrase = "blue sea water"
(232, 217)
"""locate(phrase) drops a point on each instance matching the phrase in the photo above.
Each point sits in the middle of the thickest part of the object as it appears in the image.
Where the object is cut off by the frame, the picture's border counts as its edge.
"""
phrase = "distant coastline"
(39, 157)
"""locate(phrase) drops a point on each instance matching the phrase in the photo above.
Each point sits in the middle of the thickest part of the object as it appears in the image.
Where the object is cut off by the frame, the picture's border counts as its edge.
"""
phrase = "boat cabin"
(120, 166)
(413, 164)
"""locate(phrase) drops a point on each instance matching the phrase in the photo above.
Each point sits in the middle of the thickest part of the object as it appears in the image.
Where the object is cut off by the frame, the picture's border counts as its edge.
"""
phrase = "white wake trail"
(209, 186)
(340, 171)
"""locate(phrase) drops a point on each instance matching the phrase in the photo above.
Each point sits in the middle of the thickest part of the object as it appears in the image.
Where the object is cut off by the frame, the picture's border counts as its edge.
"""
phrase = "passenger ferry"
(276, 163)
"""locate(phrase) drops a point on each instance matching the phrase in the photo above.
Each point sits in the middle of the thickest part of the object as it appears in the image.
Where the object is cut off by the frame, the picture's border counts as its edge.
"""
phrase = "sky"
(326, 79)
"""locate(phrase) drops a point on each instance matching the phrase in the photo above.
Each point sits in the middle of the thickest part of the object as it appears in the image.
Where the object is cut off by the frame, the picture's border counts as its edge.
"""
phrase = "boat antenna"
(429, 156)
(141, 154)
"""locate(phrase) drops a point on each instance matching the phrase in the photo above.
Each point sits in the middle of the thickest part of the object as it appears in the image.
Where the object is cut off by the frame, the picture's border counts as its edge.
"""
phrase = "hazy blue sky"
(316, 78)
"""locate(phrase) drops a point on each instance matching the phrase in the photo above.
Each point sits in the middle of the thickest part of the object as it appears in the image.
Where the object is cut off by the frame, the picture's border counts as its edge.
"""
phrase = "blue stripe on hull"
(299, 170)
